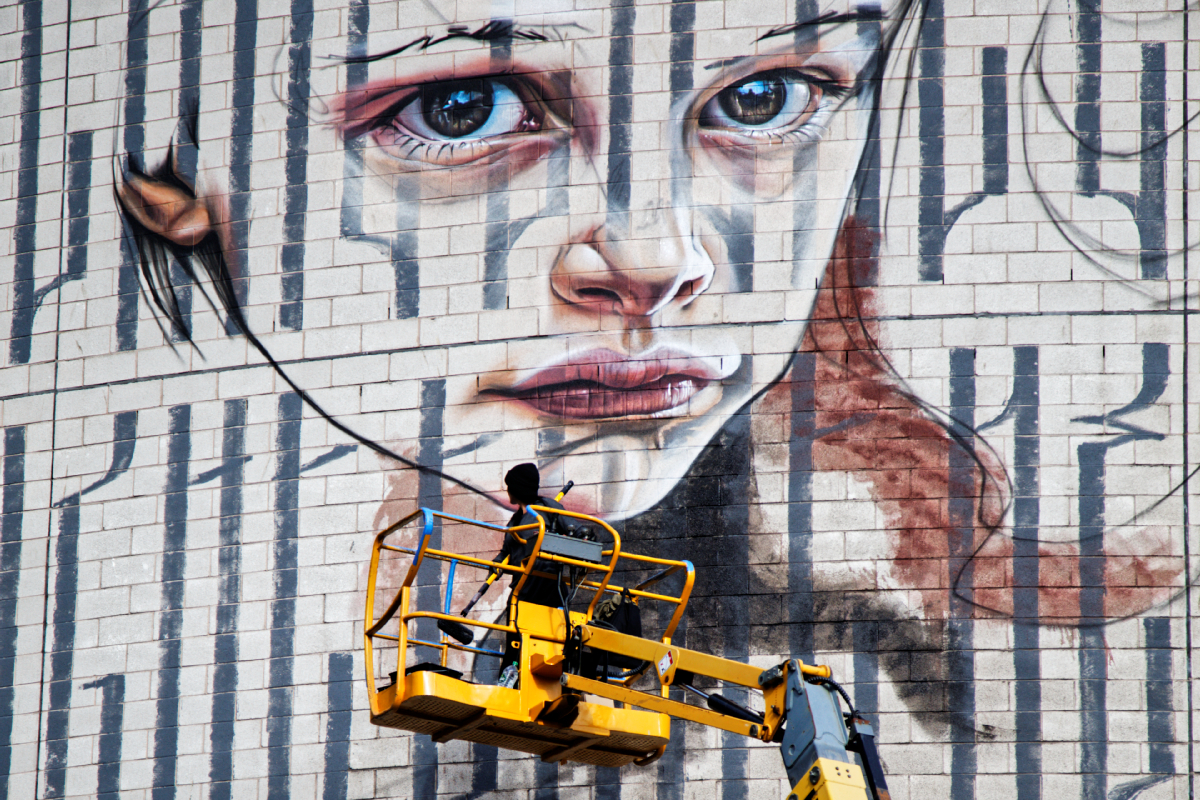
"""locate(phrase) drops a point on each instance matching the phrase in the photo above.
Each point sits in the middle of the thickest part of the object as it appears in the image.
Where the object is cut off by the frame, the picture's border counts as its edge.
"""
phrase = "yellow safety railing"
(600, 582)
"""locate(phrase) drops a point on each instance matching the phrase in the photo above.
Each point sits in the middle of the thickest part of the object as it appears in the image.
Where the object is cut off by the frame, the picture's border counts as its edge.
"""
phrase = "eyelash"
(409, 147)
(814, 126)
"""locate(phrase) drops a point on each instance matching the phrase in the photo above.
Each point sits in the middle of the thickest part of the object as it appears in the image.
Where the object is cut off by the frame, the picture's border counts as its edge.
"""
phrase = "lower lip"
(589, 400)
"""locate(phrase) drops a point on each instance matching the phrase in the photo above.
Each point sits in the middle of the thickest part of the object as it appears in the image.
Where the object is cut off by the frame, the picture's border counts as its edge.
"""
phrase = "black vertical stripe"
(229, 570)
(800, 473)
(291, 311)
(427, 588)
(12, 509)
(241, 146)
(1160, 708)
(620, 115)
(170, 626)
(994, 85)
(1151, 212)
(134, 142)
(931, 230)
(1093, 649)
(356, 76)
(1027, 668)
(739, 246)
(682, 21)
(960, 631)
(736, 590)
(78, 185)
(340, 697)
(497, 241)
(190, 40)
(186, 148)
(1087, 95)
(404, 259)
(62, 649)
(1093, 656)
(66, 586)
(112, 718)
(25, 229)
(497, 234)
(870, 175)
(283, 608)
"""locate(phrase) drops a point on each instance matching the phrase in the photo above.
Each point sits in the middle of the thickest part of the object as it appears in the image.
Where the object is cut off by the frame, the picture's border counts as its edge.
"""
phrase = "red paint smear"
(904, 457)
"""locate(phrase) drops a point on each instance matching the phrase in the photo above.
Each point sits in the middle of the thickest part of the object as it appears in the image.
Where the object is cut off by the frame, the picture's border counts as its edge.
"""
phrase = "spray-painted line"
(112, 718)
(620, 115)
(25, 227)
(186, 150)
(229, 595)
(241, 146)
(1093, 652)
(358, 25)
(134, 143)
(340, 699)
(403, 254)
(931, 134)
(66, 587)
(291, 259)
(682, 52)
(11, 529)
(170, 625)
(1151, 210)
(960, 639)
(1088, 22)
(1027, 662)
(735, 494)
(285, 551)
(1160, 707)
(78, 185)
(428, 586)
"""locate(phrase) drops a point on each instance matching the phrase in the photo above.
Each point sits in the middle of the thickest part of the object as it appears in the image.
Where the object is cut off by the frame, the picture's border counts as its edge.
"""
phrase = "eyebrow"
(496, 30)
(866, 13)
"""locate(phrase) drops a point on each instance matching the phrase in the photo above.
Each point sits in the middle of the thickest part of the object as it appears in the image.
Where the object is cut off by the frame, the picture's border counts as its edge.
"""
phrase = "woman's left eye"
(767, 101)
(457, 111)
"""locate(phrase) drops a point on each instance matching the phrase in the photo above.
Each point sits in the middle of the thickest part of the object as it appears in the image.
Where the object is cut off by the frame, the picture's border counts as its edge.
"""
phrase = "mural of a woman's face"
(653, 224)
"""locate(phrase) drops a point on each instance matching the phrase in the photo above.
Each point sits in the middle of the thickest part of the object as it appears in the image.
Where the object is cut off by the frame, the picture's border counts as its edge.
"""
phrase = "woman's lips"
(603, 384)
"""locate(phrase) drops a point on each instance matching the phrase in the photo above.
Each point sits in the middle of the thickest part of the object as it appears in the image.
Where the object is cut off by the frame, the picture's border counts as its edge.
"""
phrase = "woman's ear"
(167, 208)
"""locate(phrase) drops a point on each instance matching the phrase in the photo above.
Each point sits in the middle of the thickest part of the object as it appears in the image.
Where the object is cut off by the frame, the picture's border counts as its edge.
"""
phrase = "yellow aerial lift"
(575, 689)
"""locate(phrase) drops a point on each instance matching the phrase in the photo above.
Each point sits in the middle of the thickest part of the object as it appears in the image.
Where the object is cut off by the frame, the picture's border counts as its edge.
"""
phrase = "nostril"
(596, 293)
(689, 288)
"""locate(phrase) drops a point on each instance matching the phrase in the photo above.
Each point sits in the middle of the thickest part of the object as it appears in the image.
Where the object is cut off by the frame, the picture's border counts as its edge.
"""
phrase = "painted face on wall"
(600, 246)
(611, 245)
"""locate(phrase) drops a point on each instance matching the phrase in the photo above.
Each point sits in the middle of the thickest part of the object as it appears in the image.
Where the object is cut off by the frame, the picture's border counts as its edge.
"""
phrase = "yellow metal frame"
(446, 707)
(554, 713)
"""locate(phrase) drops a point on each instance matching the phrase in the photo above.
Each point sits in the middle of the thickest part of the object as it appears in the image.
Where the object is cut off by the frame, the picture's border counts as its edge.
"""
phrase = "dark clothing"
(542, 591)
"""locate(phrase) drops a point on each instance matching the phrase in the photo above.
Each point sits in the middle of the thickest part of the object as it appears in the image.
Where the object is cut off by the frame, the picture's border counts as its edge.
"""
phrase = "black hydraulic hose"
(831, 682)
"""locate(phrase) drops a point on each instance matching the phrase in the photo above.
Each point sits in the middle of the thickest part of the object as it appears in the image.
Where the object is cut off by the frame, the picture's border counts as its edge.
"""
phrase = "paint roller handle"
(482, 589)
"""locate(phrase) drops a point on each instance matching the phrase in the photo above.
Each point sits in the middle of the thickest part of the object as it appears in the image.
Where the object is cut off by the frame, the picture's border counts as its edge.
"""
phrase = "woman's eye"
(764, 102)
(464, 110)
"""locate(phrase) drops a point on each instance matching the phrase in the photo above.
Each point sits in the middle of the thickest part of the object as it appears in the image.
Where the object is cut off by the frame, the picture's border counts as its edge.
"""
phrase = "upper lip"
(617, 371)
(605, 384)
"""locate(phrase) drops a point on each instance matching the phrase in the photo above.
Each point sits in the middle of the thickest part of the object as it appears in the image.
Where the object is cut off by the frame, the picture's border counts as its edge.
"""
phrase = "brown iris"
(754, 101)
(458, 109)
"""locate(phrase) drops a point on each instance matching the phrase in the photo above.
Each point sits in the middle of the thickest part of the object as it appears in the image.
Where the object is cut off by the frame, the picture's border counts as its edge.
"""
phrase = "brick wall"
(880, 316)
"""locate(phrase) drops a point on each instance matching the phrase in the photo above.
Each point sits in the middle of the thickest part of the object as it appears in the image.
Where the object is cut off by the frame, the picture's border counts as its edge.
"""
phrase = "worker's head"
(523, 482)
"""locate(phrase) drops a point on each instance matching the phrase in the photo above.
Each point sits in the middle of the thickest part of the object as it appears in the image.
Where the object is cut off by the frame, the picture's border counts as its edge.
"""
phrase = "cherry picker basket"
(413, 685)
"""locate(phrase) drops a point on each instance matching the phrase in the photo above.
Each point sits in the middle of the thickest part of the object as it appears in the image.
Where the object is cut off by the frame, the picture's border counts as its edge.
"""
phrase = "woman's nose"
(634, 263)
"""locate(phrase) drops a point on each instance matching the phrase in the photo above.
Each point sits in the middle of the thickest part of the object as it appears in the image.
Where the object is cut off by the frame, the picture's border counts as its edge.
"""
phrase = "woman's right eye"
(467, 110)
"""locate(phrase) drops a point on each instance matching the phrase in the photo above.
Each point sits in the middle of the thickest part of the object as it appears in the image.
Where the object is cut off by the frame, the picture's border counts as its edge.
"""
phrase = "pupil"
(754, 102)
(457, 109)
